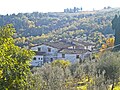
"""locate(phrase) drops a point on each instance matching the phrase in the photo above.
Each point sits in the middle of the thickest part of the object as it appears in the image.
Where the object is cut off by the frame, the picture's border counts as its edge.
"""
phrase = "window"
(51, 60)
(63, 55)
(39, 49)
(49, 49)
(77, 56)
(44, 61)
(40, 58)
(34, 58)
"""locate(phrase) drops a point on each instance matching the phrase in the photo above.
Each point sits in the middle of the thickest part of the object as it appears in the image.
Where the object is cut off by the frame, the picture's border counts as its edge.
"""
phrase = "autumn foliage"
(109, 43)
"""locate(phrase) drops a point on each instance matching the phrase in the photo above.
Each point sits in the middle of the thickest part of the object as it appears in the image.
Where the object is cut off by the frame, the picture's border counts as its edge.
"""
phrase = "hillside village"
(73, 51)
(60, 50)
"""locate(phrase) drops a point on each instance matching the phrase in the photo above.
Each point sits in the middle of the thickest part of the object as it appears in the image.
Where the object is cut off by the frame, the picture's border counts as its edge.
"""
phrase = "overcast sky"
(16, 6)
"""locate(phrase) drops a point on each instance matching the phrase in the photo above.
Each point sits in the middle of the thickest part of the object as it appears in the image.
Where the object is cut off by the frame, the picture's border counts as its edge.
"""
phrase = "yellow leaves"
(109, 43)
(82, 87)
(100, 41)
(43, 36)
(30, 24)
(1, 72)
(77, 84)
(103, 48)
(96, 55)
(117, 87)
(61, 63)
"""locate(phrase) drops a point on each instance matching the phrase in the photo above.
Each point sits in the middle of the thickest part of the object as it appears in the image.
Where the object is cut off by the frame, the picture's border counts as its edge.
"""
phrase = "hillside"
(38, 27)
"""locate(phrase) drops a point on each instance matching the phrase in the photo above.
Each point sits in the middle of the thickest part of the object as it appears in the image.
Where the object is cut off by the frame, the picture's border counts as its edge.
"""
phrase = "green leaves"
(14, 62)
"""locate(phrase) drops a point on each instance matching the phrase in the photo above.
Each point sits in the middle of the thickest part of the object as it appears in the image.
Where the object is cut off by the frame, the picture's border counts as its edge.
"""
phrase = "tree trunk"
(88, 78)
(112, 85)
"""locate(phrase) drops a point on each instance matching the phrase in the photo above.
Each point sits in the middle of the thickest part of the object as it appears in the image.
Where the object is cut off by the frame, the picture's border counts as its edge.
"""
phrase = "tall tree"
(116, 28)
(14, 62)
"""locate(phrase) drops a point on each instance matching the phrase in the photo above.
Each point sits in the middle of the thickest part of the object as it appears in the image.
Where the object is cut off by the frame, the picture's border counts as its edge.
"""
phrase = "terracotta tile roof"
(65, 44)
(73, 51)
(39, 53)
(85, 43)
(58, 45)
(78, 42)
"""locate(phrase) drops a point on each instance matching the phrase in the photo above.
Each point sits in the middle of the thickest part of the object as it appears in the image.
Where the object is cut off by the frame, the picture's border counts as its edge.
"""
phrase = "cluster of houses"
(74, 51)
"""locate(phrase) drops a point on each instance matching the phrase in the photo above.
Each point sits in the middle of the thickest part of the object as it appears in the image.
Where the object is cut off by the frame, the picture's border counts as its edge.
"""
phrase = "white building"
(73, 55)
(38, 59)
(51, 52)
(48, 52)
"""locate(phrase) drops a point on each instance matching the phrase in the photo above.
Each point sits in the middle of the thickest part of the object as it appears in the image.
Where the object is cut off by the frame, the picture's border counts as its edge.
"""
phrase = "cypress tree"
(116, 28)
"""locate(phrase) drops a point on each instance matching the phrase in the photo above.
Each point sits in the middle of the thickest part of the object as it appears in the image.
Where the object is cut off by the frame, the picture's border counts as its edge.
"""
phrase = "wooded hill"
(38, 27)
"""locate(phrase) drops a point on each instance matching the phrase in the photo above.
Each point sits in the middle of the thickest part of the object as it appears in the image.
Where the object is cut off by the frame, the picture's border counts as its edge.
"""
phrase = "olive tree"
(109, 64)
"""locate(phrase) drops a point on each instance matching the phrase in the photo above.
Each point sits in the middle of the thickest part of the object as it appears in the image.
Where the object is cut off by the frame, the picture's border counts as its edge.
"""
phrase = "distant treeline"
(74, 10)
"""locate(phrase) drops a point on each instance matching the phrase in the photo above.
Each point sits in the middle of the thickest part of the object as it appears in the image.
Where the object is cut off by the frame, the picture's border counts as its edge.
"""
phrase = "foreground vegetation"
(104, 74)
(14, 62)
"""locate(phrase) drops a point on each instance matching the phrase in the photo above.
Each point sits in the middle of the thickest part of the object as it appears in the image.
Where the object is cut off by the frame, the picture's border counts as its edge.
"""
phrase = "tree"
(61, 63)
(109, 44)
(116, 28)
(81, 8)
(50, 78)
(103, 48)
(109, 64)
(14, 61)
(75, 9)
